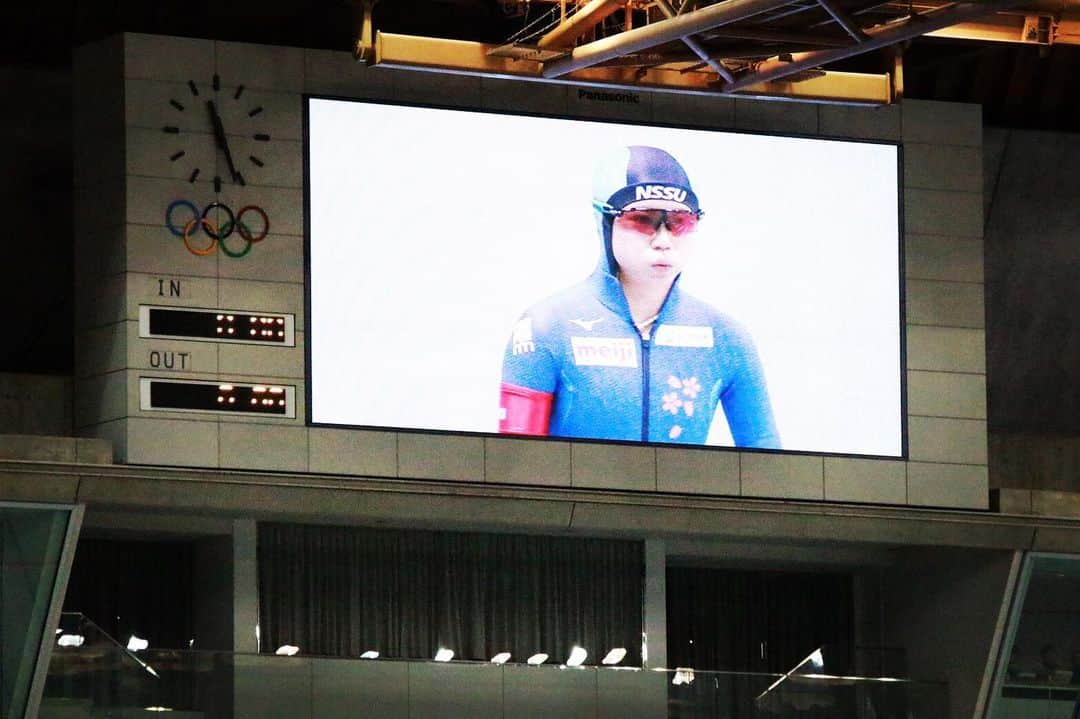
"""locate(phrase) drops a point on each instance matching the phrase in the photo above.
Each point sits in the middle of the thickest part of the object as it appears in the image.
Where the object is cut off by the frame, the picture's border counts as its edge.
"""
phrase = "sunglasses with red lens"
(647, 221)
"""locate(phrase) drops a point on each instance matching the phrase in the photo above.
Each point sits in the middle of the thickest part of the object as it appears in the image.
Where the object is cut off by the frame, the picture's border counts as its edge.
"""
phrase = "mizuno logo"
(660, 192)
(587, 325)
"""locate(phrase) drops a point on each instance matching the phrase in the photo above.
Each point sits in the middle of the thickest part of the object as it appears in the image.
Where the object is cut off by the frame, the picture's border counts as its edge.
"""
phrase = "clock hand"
(222, 141)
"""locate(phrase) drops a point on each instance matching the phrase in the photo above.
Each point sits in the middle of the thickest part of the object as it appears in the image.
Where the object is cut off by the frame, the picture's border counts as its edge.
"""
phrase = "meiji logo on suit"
(604, 351)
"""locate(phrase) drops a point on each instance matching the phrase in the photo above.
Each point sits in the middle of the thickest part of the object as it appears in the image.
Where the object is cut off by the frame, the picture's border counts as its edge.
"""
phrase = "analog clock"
(215, 104)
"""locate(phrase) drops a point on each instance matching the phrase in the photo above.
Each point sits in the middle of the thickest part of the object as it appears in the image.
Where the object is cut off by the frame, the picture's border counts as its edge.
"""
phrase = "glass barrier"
(102, 678)
(1038, 673)
(32, 541)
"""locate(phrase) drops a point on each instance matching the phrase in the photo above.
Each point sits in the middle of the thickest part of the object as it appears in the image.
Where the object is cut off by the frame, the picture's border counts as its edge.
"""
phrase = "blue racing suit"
(607, 382)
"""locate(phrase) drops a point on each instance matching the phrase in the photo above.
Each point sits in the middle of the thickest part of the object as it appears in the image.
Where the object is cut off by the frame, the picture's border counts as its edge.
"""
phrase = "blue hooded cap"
(633, 173)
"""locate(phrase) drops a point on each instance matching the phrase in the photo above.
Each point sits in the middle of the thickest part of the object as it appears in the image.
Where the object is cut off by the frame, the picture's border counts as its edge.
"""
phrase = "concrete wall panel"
(523, 461)
(516, 96)
(948, 167)
(945, 304)
(934, 439)
(865, 480)
(602, 466)
(697, 471)
(782, 476)
(343, 689)
(440, 456)
(410, 86)
(941, 123)
(261, 446)
(947, 394)
(877, 123)
(948, 485)
(799, 118)
(546, 691)
(337, 451)
(946, 349)
(183, 443)
(455, 691)
(265, 67)
(177, 59)
(937, 257)
(337, 73)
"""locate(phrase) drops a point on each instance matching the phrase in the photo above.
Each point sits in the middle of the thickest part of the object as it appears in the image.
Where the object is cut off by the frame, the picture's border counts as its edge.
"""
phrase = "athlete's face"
(647, 253)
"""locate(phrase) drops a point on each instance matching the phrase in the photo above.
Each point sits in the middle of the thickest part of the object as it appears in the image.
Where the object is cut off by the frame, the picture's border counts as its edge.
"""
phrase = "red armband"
(524, 410)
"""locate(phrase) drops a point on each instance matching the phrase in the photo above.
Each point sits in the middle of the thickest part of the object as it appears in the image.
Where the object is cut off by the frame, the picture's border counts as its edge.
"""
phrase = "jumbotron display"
(479, 272)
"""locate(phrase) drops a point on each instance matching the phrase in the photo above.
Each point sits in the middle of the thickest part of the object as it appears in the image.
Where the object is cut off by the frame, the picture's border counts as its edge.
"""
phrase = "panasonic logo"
(661, 192)
(630, 98)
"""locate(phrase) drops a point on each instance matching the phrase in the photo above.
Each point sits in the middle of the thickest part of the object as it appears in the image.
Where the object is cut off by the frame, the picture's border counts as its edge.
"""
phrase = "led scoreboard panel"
(477, 272)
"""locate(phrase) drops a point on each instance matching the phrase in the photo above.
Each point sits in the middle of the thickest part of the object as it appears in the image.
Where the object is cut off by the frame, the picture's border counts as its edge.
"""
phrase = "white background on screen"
(433, 230)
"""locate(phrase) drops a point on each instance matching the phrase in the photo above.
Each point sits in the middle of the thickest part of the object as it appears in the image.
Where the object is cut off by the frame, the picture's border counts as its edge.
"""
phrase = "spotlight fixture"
(444, 655)
(501, 658)
(683, 675)
(370, 654)
(615, 656)
(577, 657)
(537, 659)
(815, 658)
(287, 650)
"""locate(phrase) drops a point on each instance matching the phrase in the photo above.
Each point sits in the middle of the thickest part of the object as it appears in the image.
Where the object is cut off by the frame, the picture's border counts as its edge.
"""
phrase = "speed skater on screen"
(626, 354)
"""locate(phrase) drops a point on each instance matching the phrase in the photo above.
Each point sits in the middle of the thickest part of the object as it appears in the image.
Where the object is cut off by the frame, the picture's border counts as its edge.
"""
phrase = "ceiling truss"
(763, 48)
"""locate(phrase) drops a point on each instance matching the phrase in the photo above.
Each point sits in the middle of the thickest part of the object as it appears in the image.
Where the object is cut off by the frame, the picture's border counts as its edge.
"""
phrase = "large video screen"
(480, 272)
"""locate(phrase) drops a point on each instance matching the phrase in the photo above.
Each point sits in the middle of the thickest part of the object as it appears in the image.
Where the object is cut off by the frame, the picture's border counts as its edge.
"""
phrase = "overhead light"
(70, 640)
(537, 659)
(158, 709)
(683, 675)
(370, 654)
(287, 650)
(615, 656)
(577, 657)
(501, 658)
(816, 659)
(136, 644)
(444, 655)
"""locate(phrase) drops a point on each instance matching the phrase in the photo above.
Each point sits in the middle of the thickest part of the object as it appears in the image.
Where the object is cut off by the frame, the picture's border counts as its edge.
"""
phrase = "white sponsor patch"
(684, 336)
(523, 337)
(604, 351)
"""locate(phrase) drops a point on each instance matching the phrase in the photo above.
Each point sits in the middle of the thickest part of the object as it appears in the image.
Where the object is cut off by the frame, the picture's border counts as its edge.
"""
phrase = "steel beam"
(658, 33)
(843, 20)
(695, 46)
(579, 23)
(1010, 28)
(410, 52)
(760, 35)
(884, 36)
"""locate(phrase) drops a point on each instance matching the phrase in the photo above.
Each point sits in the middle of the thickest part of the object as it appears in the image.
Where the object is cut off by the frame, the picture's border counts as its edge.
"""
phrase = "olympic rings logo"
(233, 224)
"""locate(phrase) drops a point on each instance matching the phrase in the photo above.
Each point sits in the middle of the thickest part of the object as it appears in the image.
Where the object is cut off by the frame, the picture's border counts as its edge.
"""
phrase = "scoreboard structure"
(191, 299)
